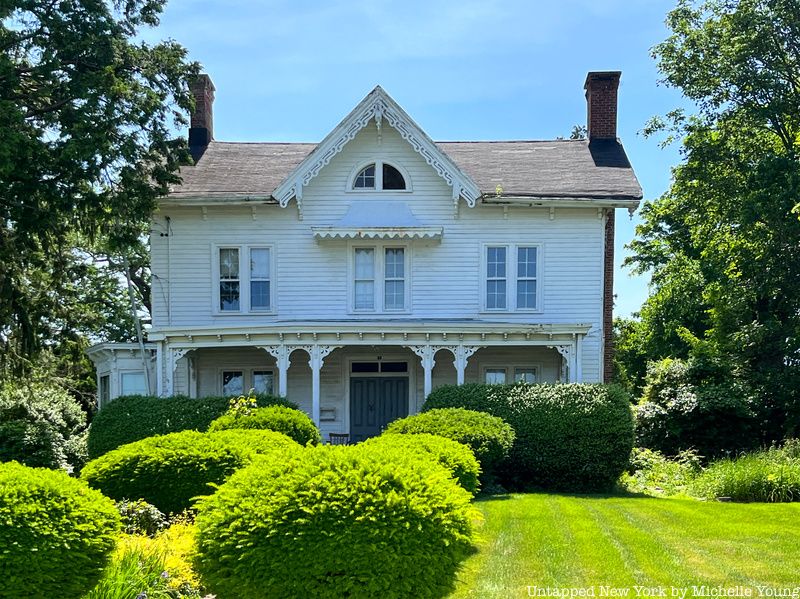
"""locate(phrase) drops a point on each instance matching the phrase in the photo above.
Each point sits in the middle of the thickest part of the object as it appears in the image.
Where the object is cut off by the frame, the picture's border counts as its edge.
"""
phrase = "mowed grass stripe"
(602, 556)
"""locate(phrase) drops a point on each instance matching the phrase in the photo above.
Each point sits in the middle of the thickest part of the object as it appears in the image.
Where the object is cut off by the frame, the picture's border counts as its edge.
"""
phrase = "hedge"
(456, 457)
(335, 522)
(293, 423)
(134, 417)
(570, 437)
(489, 437)
(169, 471)
(57, 534)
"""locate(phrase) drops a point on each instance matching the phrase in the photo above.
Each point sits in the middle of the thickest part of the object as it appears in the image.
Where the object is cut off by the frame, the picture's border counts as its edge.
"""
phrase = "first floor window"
(134, 383)
(495, 376)
(263, 381)
(229, 283)
(525, 375)
(233, 382)
(104, 392)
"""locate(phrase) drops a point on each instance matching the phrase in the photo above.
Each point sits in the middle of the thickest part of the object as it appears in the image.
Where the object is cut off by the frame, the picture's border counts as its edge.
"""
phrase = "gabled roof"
(380, 106)
(493, 170)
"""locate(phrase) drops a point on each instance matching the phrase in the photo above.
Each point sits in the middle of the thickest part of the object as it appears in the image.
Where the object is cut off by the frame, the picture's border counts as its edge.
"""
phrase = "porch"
(341, 374)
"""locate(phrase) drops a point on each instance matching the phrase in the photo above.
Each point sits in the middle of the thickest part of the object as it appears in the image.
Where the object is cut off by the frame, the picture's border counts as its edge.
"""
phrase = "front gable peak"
(380, 107)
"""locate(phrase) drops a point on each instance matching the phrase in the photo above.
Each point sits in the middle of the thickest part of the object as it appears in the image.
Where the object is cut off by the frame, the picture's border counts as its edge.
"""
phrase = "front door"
(374, 403)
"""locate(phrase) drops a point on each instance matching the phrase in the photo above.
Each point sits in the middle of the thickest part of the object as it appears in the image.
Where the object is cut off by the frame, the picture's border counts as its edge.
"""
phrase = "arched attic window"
(380, 176)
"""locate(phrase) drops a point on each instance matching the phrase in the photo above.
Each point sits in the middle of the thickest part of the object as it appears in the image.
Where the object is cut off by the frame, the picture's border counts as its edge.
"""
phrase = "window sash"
(394, 292)
(496, 281)
(364, 279)
(260, 285)
(232, 382)
(229, 281)
(264, 381)
(495, 376)
(525, 375)
(527, 265)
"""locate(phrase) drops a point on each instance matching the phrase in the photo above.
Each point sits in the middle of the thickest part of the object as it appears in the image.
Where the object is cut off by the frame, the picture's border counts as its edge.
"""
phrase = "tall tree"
(723, 244)
(87, 144)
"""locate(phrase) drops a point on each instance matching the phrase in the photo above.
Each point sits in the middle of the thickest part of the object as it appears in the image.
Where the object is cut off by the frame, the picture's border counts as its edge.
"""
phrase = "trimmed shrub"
(134, 417)
(570, 437)
(41, 425)
(57, 534)
(168, 471)
(677, 414)
(293, 423)
(456, 457)
(770, 476)
(489, 437)
(335, 522)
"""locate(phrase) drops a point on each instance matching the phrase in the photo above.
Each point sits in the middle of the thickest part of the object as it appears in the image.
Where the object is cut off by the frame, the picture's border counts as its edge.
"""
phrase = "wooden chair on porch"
(339, 438)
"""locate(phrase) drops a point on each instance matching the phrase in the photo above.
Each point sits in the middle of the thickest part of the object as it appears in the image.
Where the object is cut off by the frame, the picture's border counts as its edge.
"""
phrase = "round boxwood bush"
(456, 457)
(293, 423)
(489, 437)
(134, 417)
(570, 437)
(168, 471)
(334, 522)
(57, 534)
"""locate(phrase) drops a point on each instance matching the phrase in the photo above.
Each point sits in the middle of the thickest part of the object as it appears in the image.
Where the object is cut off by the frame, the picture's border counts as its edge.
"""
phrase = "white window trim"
(510, 368)
(380, 268)
(378, 177)
(244, 279)
(247, 376)
(511, 277)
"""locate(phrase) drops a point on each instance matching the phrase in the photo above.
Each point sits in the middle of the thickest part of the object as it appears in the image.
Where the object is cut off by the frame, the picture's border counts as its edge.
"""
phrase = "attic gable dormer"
(380, 107)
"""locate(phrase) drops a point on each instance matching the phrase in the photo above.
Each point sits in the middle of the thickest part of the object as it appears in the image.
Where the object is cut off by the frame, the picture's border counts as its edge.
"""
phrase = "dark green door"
(374, 403)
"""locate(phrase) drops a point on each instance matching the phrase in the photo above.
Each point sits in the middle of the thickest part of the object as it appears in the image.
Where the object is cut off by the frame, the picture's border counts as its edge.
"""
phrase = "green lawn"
(573, 541)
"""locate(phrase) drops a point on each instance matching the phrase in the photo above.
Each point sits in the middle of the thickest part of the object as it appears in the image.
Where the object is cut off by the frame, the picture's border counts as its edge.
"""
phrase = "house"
(357, 274)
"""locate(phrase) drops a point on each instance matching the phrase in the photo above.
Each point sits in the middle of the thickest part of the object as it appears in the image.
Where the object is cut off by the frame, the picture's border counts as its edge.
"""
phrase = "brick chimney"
(201, 130)
(601, 104)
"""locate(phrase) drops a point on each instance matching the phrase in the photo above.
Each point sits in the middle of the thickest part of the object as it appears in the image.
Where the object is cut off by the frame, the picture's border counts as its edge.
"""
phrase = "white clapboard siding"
(311, 276)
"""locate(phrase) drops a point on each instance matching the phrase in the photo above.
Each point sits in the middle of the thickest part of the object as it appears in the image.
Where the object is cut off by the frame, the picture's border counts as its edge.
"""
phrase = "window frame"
(511, 370)
(244, 279)
(248, 374)
(379, 286)
(378, 162)
(511, 277)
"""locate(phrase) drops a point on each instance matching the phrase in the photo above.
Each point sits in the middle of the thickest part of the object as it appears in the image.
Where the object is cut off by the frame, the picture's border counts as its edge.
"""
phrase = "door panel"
(374, 403)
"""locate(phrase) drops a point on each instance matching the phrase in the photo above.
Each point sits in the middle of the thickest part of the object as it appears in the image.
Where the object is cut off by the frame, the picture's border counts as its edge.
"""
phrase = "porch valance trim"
(377, 233)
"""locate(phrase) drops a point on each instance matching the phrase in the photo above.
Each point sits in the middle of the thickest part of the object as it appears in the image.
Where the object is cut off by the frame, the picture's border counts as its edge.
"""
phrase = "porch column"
(426, 353)
(462, 354)
(159, 369)
(173, 355)
(281, 355)
(317, 354)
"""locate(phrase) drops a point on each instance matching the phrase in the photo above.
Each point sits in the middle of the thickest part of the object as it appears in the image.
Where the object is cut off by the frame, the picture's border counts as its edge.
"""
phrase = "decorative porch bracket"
(281, 354)
(461, 355)
(173, 355)
(569, 368)
(426, 353)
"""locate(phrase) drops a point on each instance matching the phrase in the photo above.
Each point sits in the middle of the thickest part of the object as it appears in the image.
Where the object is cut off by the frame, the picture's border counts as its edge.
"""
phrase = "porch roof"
(378, 220)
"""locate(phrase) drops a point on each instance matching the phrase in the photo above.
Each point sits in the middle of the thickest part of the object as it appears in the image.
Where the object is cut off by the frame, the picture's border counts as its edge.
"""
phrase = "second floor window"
(511, 277)
(244, 279)
(379, 279)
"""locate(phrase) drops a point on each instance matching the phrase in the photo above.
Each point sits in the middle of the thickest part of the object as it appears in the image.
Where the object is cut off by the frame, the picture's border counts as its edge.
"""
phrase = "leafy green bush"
(293, 423)
(772, 476)
(652, 473)
(56, 534)
(134, 417)
(456, 457)
(141, 518)
(168, 471)
(678, 413)
(41, 425)
(335, 522)
(489, 437)
(571, 437)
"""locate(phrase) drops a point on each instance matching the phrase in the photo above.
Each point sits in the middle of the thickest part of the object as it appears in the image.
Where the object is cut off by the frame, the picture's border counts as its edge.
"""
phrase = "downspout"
(139, 336)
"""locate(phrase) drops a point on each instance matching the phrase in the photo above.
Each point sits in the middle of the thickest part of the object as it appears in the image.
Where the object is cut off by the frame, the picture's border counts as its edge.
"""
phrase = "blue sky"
(463, 69)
